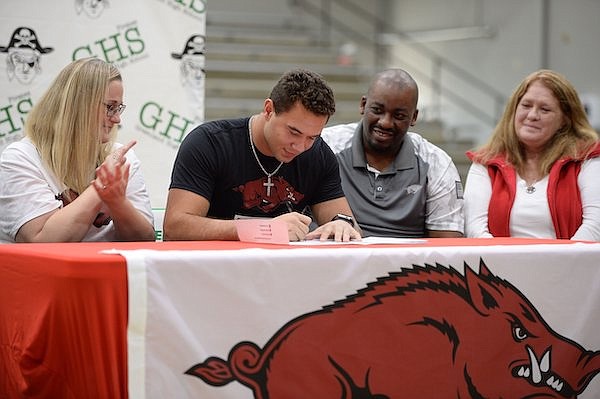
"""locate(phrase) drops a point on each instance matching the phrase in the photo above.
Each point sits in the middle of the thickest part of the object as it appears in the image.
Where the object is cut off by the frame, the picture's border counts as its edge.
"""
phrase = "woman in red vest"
(537, 175)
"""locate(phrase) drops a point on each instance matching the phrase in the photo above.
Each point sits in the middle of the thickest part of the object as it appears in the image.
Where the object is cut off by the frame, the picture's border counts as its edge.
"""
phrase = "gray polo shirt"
(420, 191)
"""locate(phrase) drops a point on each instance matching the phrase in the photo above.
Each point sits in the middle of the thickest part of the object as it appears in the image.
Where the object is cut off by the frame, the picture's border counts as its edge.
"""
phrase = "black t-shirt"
(215, 161)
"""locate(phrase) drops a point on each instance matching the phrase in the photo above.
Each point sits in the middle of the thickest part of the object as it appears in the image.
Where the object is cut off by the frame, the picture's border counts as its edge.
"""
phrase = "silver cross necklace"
(268, 184)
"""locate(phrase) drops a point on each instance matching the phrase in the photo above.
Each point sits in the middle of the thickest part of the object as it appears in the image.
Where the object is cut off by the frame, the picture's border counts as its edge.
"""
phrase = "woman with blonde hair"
(67, 179)
(537, 175)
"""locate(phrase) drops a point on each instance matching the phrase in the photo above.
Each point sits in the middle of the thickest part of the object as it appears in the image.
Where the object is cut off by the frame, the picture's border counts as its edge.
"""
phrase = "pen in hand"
(288, 205)
(290, 208)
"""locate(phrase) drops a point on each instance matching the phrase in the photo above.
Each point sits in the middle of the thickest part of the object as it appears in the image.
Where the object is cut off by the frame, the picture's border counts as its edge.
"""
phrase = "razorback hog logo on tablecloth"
(426, 332)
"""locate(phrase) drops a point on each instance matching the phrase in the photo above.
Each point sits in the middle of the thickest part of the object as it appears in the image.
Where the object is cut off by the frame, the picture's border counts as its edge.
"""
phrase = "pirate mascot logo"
(192, 73)
(92, 8)
(23, 55)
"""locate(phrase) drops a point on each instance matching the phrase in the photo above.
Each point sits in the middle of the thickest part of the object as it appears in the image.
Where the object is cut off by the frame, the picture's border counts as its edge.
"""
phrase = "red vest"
(564, 198)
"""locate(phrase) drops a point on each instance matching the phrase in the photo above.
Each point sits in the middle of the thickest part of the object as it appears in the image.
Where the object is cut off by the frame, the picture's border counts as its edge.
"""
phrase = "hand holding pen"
(297, 223)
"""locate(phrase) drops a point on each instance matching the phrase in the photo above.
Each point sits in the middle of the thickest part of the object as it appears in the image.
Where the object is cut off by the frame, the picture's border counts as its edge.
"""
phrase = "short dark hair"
(304, 86)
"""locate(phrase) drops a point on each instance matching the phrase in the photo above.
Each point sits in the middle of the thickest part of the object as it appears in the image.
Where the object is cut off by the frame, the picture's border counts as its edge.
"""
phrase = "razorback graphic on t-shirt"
(255, 194)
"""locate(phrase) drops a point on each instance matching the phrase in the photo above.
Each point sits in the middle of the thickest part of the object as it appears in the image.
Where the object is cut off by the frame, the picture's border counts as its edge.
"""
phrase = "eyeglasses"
(113, 109)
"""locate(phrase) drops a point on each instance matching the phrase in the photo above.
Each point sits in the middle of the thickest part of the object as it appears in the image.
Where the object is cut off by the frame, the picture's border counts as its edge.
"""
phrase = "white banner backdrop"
(158, 45)
(255, 322)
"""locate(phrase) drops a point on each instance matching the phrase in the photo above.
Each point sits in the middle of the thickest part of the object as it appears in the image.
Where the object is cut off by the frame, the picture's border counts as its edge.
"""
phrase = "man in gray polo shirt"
(397, 183)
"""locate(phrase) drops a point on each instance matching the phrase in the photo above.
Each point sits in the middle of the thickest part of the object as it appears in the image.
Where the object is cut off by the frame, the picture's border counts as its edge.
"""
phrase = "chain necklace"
(530, 188)
(268, 184)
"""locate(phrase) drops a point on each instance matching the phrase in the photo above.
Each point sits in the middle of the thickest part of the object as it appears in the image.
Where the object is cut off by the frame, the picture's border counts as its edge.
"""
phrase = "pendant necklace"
(530, 188)
(268, 184)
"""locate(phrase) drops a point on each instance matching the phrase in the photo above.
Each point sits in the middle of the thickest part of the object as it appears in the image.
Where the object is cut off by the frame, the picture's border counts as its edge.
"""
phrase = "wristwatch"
(345, 218)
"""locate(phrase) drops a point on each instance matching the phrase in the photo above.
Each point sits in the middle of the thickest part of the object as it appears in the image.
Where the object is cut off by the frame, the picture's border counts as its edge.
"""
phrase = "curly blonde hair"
(575, 139)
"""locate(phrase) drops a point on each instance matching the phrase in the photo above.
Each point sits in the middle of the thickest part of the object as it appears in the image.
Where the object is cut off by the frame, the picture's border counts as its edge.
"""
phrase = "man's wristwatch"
(345, 218)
